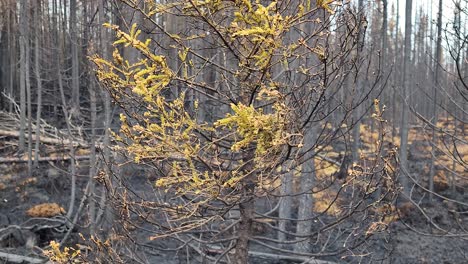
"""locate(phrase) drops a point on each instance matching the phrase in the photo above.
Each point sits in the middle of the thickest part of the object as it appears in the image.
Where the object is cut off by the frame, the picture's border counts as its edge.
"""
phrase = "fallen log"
(48, 140)
(41, 159)
(13, 258)
(308, 260)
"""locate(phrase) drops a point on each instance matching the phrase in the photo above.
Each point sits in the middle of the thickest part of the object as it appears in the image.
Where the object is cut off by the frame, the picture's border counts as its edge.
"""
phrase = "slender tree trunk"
(461, 57)
(307, 178)
(384, 37)
(285, 207)
(405, 107)
(75, 102)
(58, 58)
(244, 228)
(23, 49)
(29, 105)
(246, 208)
(356, 133)
(71, 150)
(434, 118)
(383, 57)
(304, 224)
(247, 203)
(107, 112)
(38, 82)
(25, 93)
(13, 58)
(4, 50)
(286, 200)
(97, 214)
(92, 154)
(92, 159)
(396, 77)
(56, 26)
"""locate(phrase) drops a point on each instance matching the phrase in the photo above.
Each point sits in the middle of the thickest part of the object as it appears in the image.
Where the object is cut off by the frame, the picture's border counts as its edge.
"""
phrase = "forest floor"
(411, 238)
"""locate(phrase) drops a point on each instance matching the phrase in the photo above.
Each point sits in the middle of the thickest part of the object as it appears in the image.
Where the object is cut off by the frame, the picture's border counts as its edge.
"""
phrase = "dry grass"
(387, 213)
(45, 210)
(324, 169)
(24, 183)
(326, 202)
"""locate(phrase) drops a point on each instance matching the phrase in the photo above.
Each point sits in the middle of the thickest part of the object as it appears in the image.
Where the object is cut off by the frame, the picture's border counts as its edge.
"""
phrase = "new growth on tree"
(273, 71)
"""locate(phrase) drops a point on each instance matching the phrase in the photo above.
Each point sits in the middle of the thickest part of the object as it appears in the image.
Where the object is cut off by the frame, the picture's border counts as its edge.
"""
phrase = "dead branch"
(300, 259)
(330, 160)
(41, 159)
(21, 259)
(48, 140)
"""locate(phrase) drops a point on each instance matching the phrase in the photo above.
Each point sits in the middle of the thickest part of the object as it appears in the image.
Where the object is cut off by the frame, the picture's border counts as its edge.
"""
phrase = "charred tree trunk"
(434, 118)
(75, 102)
(245, 227)
(38, 81)
(24, 28)
(405, 107)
